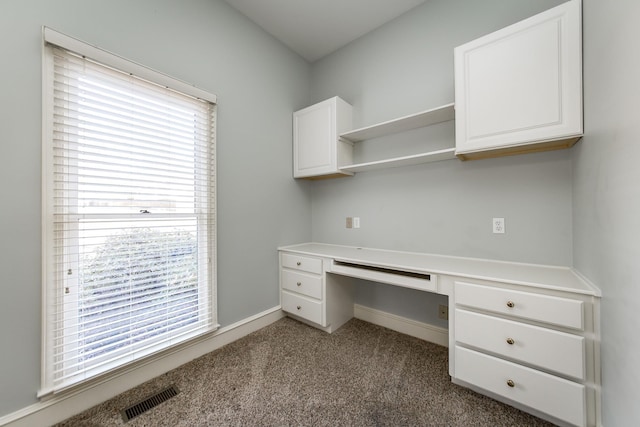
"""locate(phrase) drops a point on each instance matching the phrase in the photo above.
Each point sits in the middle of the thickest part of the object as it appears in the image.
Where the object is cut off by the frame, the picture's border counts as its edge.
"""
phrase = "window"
(129, 209)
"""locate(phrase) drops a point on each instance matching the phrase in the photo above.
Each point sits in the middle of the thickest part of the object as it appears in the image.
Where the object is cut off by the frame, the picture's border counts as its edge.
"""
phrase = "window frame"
(53, 39)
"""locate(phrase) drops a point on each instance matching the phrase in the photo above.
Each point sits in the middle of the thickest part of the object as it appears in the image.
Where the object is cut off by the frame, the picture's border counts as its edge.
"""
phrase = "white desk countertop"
(537, 275)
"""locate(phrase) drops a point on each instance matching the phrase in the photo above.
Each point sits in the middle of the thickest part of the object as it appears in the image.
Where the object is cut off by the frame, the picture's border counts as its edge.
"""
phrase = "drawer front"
(302, 263)
(555, 396)
(303, 307)
(545, 348)
(306, 284)
(543, 308)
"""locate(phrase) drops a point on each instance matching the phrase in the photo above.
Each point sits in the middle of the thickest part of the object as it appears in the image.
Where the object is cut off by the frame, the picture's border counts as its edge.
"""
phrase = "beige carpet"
(289, 374)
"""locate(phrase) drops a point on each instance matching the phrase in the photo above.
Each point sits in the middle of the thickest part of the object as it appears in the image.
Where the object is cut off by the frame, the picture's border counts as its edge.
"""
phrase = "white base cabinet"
(310, 295)
(519, 89)
(531, 348)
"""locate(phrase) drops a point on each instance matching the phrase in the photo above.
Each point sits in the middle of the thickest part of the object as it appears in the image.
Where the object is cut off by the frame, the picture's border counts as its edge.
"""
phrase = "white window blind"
(129, 218)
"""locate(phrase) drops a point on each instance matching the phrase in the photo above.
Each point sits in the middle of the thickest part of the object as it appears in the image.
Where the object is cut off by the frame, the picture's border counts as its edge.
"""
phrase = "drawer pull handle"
(510, 383)
(510, 341)
(298, 307)
(510, 304)
(299, 283)
(298, 263)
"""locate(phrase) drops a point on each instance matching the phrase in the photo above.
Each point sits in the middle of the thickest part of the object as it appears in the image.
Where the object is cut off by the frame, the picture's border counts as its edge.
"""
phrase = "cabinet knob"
(299, 283)
(298, 307)
(298, 263)
(510, 383)
(510, 304)
(510, 341)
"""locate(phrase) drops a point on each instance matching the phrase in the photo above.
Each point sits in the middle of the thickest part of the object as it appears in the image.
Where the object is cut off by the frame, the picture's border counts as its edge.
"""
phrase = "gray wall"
(606, 197)
(258, 83)
(445, 207)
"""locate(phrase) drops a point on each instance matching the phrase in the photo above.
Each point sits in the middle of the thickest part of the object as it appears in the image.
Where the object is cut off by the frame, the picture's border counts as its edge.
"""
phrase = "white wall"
(446, 207)
(606, 195)
(205, 42)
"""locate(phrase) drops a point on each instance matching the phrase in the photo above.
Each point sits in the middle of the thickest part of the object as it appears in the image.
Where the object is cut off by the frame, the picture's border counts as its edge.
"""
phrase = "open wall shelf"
(415, 159)
(430, 117)
(413, 121)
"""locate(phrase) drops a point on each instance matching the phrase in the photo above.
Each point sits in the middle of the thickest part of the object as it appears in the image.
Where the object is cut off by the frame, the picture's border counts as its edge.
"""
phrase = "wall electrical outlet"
(349, 222)
(443, 312)
(498, 226)
(356, 222)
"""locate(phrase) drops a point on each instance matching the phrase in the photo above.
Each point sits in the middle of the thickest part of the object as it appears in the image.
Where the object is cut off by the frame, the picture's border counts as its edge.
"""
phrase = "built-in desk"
(524, 334)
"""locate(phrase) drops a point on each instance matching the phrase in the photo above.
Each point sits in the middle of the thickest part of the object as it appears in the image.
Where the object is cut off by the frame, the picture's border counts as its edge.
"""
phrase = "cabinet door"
(317, 150)
(520, 89)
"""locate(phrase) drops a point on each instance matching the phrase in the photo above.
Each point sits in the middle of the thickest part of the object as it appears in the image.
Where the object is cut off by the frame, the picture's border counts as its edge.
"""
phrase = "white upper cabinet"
(318, 151)
(519, 89)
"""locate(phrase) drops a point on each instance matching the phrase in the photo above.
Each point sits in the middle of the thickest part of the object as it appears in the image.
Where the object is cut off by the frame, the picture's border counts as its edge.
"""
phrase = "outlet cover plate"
(443, 311)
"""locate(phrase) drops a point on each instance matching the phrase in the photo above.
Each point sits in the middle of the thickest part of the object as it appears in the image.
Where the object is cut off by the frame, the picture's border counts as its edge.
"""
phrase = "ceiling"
(315, 28)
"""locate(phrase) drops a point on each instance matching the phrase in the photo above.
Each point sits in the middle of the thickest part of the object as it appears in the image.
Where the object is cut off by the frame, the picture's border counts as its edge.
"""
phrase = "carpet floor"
(289, 374)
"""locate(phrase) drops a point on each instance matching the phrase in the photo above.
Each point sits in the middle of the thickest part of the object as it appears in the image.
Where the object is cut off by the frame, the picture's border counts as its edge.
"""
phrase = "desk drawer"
(303, 307)
(545, 348)
(303, 283)
(552, 395)
(302, 263)
(525, 305)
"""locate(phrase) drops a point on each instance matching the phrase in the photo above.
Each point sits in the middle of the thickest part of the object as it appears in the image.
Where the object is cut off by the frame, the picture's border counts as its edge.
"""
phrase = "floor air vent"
(150, 402)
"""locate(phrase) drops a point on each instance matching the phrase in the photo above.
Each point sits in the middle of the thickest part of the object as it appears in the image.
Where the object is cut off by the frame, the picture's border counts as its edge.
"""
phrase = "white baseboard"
(403, 325)
(61, 407)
